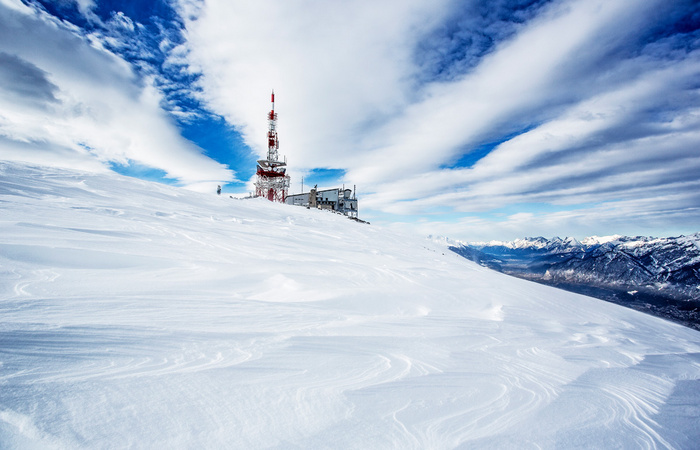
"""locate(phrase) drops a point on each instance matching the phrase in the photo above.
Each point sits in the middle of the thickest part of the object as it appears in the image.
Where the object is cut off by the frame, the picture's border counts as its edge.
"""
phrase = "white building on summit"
(339, 200)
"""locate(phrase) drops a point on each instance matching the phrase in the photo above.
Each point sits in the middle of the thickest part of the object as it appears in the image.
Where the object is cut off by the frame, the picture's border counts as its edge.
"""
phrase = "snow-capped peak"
(599, 240)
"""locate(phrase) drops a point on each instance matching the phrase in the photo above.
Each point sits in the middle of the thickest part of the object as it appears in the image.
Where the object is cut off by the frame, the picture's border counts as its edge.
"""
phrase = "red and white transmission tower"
(272, 182)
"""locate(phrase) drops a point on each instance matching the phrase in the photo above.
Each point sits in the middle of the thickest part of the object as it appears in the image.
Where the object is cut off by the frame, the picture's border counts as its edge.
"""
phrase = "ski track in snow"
(139, 315)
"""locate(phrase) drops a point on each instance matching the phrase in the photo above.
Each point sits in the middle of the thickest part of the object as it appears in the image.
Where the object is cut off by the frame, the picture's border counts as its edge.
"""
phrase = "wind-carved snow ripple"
(324, 375)
(79, 354)
(480, 404)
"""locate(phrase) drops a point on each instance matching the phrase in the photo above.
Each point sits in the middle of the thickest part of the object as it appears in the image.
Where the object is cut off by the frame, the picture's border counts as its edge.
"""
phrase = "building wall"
(298, 199)
(328, 195)
(332, 199)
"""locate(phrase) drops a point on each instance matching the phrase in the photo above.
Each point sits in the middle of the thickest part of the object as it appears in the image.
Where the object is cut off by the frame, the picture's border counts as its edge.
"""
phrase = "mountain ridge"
(618, 267)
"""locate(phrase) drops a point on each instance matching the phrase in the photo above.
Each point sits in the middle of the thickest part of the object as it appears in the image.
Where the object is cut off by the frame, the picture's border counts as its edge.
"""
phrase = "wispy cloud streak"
(87, 102)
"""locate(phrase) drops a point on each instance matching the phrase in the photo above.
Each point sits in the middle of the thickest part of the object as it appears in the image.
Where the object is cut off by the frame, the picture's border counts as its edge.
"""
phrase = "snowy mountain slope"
(140, 315)
(673, 261)
(657, 275)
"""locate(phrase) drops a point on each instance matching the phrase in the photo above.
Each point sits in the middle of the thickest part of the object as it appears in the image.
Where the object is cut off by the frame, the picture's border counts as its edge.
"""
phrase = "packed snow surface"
(145, 316)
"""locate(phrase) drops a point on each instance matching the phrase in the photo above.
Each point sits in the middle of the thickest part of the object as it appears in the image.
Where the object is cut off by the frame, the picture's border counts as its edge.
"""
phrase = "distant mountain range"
(656, 275)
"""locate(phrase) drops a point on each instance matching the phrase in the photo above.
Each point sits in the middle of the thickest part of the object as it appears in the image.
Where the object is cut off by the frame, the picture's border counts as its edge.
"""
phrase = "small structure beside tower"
(342, 201)
(273, 181)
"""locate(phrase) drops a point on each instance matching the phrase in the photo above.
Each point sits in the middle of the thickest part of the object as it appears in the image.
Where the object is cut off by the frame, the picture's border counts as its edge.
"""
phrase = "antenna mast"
(272, 181)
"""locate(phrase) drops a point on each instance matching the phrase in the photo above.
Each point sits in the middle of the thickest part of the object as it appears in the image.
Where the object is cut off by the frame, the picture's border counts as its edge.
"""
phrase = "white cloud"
(101, 111)
(572, 158)
(516, 85)
(335, 66)
(669, 211)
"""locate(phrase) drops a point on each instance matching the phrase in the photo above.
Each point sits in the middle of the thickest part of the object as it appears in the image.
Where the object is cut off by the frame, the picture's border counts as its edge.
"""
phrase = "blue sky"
(472, 119)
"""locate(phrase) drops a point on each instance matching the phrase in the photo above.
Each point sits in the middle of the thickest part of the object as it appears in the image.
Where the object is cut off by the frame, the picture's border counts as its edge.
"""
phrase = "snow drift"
(141, 315)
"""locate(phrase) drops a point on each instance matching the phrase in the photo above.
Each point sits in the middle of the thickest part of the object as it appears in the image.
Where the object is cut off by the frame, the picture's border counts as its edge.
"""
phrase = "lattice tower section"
(272, 180)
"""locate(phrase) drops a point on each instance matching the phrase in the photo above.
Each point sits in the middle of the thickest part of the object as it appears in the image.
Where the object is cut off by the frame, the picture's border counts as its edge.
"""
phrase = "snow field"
(140, 315)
